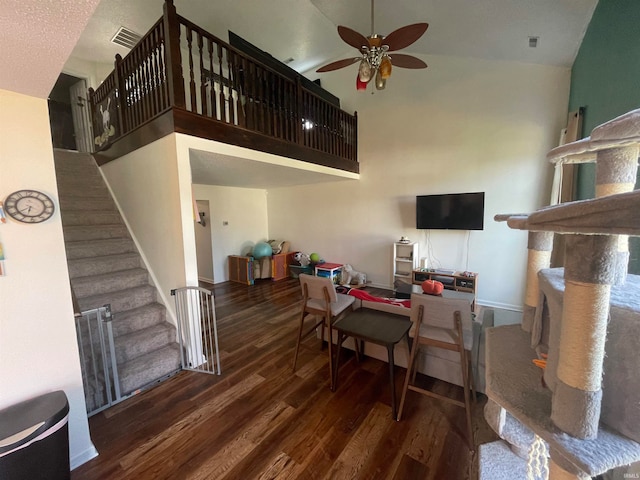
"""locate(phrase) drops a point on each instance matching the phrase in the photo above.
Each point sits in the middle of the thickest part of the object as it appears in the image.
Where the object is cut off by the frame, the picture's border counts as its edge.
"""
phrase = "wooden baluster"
(250, 102)
(239, 78)
(173, 57)
(192, 83)
(299, 114)
(334, 130)
(203, 79)
(161, 83)
(281, 108)
(261, 100)
(232, 87)
(144, 58)
(121, 107)
(212, 82)
(152, 71)
(354, 138)
(136, 84)
(223, 106)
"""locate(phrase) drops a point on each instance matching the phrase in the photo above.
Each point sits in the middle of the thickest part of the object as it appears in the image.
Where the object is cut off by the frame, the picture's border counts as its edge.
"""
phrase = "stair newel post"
(91, 93)
(120, 103)
(173, 57)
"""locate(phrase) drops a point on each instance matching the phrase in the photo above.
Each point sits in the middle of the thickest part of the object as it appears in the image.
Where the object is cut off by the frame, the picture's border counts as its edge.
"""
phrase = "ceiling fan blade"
(339, 64)
(406, 61)
(405, 36)
(353, 38)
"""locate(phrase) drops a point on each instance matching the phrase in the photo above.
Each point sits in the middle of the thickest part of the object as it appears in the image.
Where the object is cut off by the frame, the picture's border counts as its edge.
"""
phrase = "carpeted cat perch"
(584, 319)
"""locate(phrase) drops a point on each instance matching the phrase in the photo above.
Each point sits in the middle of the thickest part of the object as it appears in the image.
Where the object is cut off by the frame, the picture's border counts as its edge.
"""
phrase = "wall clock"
(29, 206)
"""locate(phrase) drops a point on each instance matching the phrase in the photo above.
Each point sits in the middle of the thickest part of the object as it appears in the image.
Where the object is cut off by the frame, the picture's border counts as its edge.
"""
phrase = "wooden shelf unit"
(405, 260)
(451, 281)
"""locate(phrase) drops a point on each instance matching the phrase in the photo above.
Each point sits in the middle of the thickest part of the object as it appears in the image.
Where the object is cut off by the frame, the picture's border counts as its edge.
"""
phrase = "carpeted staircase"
(105, 268)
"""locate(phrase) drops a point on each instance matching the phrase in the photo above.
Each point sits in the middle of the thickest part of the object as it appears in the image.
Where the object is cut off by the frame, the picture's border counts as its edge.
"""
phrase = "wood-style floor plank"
(260, 420)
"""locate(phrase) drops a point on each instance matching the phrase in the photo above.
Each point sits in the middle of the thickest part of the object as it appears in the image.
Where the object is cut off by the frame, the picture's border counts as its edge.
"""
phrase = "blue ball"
(262, 249)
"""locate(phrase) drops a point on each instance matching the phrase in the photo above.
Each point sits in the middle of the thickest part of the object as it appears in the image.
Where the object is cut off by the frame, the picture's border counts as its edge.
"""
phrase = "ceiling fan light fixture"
(385, 67)
(364, 72)
(381, 82)
(360, 85)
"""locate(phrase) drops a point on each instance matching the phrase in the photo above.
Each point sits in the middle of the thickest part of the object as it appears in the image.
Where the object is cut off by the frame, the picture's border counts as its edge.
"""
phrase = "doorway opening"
(69, 115)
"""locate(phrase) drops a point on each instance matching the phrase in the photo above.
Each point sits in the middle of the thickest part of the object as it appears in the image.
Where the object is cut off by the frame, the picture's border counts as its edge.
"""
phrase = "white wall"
(246, 211)
(38, 349)
(149, 187)
(462, 125)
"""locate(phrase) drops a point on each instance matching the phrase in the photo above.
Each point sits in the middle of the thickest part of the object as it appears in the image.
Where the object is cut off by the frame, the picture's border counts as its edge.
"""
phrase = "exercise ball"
(314, 257)
(262, 249)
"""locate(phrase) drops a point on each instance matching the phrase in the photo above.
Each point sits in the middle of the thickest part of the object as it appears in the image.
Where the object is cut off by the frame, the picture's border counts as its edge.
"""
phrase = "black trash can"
(34, 439)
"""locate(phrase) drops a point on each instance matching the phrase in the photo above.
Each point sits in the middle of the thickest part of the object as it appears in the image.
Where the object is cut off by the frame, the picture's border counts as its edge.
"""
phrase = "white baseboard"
(205, 279)
(503, 306)
(83, 457)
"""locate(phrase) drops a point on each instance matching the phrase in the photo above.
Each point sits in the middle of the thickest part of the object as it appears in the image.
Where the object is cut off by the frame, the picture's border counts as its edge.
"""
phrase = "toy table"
(331, 270)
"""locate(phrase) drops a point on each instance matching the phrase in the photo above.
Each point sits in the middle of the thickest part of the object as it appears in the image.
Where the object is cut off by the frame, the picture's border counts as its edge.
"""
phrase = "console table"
(458, 281)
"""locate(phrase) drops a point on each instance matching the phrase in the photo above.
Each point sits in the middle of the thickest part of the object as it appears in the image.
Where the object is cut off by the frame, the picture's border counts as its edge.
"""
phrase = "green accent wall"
(605, 79)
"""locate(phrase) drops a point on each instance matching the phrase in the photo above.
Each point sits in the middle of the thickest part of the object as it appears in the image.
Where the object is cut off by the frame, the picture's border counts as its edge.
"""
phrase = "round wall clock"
(29, 206)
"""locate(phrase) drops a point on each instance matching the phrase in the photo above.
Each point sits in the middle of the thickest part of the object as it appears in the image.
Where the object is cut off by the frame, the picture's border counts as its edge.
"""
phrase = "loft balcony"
(180, 78)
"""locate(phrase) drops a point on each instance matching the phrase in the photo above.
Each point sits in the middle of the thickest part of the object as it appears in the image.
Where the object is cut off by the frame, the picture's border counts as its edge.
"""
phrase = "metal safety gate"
(197, 330)
(98, 359)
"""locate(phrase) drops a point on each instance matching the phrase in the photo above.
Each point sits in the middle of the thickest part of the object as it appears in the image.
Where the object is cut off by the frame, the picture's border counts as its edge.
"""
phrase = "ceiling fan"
(375, 60)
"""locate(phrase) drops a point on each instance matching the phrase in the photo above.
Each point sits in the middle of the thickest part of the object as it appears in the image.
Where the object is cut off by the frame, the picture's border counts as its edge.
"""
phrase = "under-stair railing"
(178, 65)
(197, 330)
(100, 379)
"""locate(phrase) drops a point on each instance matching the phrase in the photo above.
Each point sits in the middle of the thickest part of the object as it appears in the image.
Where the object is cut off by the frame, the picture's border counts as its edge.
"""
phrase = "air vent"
(126, 38)
(288, 60)
(533, 42)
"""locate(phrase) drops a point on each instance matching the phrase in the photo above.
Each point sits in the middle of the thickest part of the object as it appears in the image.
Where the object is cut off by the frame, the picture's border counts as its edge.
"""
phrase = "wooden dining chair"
(319, 298)
(441, 323)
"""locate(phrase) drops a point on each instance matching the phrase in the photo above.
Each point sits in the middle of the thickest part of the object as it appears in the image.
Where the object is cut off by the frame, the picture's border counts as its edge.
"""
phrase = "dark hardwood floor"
(258, 420)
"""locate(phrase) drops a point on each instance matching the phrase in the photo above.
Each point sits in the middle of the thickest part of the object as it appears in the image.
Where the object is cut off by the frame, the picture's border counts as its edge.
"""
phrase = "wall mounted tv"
(453, 211)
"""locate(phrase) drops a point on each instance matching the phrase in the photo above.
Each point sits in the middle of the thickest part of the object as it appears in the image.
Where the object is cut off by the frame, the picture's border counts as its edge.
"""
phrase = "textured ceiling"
(306, 29)
(36, 38)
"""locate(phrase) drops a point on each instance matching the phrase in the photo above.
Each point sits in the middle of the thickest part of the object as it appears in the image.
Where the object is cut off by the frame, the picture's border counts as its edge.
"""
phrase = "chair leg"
(322, 336)
(405, 387)
(330, 354)
(472, 381)
(295, 356)
(467, 401)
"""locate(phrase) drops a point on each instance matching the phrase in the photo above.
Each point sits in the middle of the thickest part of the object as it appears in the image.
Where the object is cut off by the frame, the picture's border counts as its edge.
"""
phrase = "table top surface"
(374, 326)
(328, 266)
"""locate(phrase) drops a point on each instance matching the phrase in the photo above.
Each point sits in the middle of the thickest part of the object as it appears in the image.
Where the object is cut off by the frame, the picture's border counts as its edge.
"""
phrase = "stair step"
(68, 160)
(98, 248)
(85, 267)
(109, 282)
(148, 368)
(79, 217)
(80, 233)
(135, 344)
(69, 203)
(139, 318)
(121, 300)
(79, 179)
(99, 191)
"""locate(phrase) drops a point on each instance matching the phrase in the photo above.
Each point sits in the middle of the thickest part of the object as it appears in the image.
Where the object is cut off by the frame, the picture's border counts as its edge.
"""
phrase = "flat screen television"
(453, 211)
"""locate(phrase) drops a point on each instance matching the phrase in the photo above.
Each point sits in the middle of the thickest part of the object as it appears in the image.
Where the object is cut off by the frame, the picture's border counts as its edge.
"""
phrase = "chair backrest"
(439, 311)
(316, 287)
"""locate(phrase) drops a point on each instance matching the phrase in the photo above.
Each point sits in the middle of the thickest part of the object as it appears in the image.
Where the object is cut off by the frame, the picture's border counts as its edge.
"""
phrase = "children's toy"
(302, 259)
(350, 276)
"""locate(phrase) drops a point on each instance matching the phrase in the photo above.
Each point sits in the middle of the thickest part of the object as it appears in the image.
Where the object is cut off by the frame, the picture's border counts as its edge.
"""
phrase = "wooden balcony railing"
(181, 78)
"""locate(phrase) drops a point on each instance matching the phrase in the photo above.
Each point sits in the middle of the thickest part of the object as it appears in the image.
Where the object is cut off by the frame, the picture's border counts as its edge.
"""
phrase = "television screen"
(454, 211)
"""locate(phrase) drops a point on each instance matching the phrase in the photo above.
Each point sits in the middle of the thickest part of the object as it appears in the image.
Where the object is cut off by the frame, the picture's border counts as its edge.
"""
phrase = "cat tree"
(584, 412)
